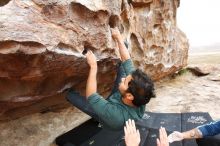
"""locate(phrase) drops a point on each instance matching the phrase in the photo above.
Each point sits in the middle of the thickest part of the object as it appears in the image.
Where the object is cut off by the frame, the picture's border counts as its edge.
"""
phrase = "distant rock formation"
(41, 44)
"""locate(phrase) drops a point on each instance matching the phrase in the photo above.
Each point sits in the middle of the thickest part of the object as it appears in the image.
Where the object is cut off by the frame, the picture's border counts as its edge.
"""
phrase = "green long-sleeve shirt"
(113, 113)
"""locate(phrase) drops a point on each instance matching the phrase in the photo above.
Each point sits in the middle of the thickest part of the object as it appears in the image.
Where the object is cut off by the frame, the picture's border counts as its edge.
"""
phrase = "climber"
(132, 90)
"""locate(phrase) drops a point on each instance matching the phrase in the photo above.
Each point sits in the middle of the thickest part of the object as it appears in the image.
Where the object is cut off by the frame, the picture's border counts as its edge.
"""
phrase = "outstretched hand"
(132, 135)
(124, 53)
(116, 33)
(175, 136)
(163, 141)
(91, 59)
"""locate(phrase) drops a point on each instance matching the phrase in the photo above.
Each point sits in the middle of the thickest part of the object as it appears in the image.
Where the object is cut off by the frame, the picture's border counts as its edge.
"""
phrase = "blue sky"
(200, 20)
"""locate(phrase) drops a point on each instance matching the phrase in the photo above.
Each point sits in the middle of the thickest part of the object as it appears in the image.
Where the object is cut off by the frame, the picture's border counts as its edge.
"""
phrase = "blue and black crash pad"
(91, 134)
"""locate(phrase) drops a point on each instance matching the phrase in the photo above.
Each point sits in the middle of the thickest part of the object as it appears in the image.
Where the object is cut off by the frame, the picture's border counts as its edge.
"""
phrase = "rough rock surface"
(41, 44)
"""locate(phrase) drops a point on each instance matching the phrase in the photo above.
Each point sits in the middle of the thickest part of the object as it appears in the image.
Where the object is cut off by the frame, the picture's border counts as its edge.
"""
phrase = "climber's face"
(123, 85)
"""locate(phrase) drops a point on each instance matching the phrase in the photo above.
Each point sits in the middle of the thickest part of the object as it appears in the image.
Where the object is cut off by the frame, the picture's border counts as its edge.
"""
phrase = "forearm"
(91, 86)
(123, 50)
(210, 129)
(191, 134)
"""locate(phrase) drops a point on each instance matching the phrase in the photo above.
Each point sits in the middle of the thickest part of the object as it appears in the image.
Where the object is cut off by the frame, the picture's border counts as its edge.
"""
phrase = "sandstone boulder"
(41, 44)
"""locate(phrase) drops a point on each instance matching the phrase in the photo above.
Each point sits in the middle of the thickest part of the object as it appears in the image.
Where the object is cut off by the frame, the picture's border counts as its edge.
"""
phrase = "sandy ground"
(189, 93)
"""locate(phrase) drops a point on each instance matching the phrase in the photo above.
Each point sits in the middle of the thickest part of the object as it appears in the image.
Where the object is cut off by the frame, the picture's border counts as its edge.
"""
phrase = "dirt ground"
(190, 93)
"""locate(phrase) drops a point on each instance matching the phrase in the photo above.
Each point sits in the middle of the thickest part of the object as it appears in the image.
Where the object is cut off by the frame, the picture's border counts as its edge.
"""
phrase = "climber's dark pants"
(81, 102)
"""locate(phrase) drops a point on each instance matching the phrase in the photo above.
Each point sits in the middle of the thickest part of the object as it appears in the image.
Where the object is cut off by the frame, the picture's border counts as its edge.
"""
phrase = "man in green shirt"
(132, 91)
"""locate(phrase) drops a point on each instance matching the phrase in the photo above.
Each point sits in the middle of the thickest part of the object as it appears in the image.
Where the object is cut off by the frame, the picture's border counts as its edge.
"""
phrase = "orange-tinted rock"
(41, 44)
